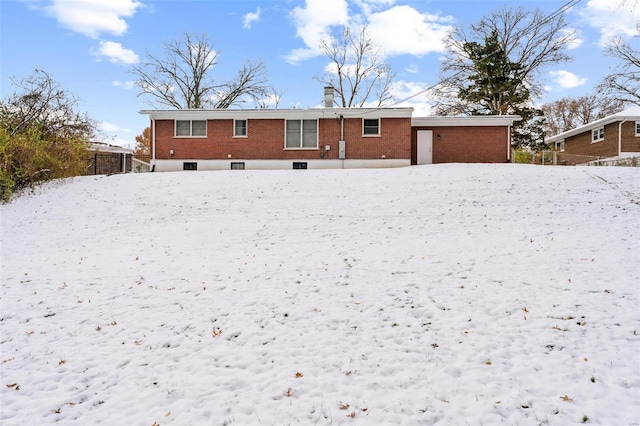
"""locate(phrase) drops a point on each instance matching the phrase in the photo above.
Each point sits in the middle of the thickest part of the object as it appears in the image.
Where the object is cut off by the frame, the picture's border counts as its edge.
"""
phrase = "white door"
(425, 146)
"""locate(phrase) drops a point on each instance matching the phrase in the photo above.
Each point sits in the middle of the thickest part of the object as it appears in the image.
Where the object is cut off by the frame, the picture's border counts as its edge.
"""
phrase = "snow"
(441, 295)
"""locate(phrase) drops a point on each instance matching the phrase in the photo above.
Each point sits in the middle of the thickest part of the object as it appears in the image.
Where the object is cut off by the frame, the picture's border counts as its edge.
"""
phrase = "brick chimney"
(328, 97)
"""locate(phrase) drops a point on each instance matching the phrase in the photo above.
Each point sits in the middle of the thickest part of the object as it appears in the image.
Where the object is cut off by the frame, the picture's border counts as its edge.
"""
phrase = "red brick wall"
(265, 140)
(466, 144)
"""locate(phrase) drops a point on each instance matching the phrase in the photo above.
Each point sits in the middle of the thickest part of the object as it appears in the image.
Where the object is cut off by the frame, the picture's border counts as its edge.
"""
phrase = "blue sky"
(89, 46)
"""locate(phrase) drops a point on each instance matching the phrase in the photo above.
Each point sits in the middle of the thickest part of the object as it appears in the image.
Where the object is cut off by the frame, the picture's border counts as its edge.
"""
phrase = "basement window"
(237, 165)
(597, 134)
(371, 127)
(189, 166)
(191, 128)
(299, 165)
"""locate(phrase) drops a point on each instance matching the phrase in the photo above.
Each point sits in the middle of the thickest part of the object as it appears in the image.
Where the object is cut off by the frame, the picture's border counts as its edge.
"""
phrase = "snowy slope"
(448, 295)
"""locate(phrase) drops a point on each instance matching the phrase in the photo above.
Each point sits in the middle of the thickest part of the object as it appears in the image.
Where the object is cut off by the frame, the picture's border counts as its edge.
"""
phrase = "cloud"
(397, 29)
(404, 30)
(313, 23)
(567, 80)
(126, 84)
(612, 18)
(92, 17)
(414, 94)
(109, 127)
(576, 39)
(114, 52)
(250, 18)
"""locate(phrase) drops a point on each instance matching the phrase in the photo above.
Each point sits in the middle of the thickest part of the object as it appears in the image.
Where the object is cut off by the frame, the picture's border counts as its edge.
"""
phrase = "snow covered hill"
(448, 295)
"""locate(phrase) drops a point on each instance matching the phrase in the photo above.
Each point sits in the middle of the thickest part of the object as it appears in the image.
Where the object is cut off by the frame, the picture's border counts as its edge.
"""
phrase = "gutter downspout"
(153, 145)
(620, 136)
(508, 143)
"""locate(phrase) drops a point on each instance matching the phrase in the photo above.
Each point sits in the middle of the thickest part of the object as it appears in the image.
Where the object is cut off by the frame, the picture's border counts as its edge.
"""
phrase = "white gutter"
(620, 136)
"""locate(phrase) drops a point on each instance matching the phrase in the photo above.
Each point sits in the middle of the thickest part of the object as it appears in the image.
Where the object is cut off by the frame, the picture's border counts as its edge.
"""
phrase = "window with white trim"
(240, 128)
(191, 128)
(560, 146)
(597, 134)
(371, 126)
(301, 134)
(638, 128)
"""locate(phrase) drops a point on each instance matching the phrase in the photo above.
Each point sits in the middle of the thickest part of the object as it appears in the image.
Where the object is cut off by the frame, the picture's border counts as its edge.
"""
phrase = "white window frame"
(560, 146)
(190, 135)
(235, 128)
(365, 127)
(301, 146)
(597, 135)
(638, 128)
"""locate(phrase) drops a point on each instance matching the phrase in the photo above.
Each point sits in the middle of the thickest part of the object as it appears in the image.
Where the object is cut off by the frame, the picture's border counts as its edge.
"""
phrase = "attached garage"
(473, 139)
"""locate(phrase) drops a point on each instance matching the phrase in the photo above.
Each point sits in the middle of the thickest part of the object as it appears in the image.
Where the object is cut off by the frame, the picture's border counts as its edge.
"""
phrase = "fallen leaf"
(62, 361)
(352, 414)
(566, 398)
(525, 309)
(138, 342)
(344, 406)
(288, 393)
(298, 375)
(168, 414)
(12, 385)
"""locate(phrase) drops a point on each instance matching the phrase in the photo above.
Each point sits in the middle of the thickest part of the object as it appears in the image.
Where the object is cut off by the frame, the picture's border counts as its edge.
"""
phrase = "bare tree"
(530, 39)
(568, 113)
(624, 81)
(42, 134)
(357, 70)
(41, 103)
(182, 79)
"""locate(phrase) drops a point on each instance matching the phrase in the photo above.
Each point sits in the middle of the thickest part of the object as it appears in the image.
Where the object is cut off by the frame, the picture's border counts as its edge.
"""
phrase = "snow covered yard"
(448, 295)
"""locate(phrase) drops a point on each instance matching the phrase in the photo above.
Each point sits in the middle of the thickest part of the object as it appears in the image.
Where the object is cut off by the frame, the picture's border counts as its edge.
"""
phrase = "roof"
(469, 120)
(291, 113)
(105, 147)
(315, 113)
(628, 115)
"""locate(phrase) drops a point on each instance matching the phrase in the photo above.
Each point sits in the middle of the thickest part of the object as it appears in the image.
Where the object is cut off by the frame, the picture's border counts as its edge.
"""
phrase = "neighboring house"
(614, 137)
(321, 138)
(105, 159)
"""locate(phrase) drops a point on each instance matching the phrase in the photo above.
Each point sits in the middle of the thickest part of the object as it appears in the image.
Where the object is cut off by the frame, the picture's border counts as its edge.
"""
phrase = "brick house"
(614, 137)
(321, 138)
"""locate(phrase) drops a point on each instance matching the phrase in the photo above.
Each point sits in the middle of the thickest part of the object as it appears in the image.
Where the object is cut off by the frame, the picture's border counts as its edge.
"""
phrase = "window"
(301, 134)
(299, 165)
(597, 134)
(188, 128)
(240, 128)
(189, 166)
(237, 166)
(637, 128)
(371, 127)
(560, 146)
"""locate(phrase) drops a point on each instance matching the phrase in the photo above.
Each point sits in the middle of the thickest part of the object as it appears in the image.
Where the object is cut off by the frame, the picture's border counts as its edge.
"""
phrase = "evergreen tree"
(496, 87)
